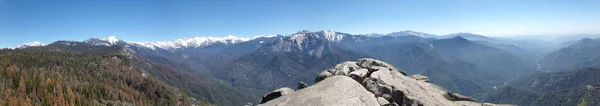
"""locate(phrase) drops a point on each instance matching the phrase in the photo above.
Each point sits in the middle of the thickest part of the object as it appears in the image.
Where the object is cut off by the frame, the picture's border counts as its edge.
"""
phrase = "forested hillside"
(81, 75)
(552, 89)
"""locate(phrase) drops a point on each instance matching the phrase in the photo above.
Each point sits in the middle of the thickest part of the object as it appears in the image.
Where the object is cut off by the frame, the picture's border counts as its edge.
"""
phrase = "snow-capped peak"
(193, 42)
(410, 32)
(414, 33)
(327, 34)
(34, 43)
(111, 39)
(29, 44)
(265, 36)
(402, 33)
(332, 36)
(232, 39)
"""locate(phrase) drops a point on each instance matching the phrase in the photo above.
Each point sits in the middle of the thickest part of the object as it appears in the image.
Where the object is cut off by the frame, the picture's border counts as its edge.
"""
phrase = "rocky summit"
(368, 82)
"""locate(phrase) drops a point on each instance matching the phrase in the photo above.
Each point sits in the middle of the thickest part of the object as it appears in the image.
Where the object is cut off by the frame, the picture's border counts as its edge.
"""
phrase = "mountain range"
(574, 87)
(566, 77)
(237, 71)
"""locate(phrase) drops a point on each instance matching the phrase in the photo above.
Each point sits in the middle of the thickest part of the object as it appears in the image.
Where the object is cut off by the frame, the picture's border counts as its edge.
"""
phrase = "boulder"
(359, 74)
(385, 91)
(399, 97)
(352, 66)
(323, 75)
(377, 68)
(368, 62)
(345, 68)
(276, 94)
(379, 88)
(372, 64)
(420, 77)
(370, 84)
(301, 85)
(333, 91)
(408, 91)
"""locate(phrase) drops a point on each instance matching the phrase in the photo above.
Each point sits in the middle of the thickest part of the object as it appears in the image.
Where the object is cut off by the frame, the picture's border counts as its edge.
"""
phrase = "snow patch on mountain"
(327, 34)
(35, 43)
(332, 36)
(402, 33)
(29, 44)
(111, 39)
(149, 45)
(414, 33)
(265, 36)
(193, 42)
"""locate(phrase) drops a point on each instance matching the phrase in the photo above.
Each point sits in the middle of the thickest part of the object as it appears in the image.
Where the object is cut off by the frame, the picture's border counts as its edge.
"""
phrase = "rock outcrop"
(276, 94)
(336, 90)
(301, 85)
(323, 75)
(371, 82)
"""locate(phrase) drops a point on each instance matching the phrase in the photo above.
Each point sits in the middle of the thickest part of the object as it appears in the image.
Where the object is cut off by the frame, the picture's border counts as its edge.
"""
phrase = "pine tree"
(21, 92)
(12, 101)
(21, 88)
(71, 99)
(2, 101)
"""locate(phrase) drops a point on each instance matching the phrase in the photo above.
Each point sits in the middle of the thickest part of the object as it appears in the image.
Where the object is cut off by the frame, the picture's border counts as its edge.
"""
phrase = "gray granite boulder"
(378, 87)
(373, 64)
(359, 75)
(276, 94)
(301, 85)
(323, 75)
(344, 68)
(333, 91)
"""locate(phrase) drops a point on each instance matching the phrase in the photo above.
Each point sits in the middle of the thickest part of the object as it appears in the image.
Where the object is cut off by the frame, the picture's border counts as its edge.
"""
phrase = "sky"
(158, 20)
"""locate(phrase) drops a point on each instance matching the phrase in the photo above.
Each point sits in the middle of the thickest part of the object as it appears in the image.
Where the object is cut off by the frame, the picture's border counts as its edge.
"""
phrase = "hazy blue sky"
(154, 20)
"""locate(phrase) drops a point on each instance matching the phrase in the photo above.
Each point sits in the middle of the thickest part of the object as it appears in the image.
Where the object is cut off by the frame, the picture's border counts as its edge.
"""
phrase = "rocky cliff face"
(368, 82)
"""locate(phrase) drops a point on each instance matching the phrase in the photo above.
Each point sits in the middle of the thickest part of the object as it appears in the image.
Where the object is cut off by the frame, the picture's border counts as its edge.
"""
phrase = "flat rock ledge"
(368, 82)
